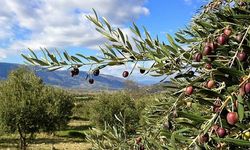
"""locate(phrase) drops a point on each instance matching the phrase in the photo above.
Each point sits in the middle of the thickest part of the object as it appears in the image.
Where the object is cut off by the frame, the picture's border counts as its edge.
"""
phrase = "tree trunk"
(23, 144)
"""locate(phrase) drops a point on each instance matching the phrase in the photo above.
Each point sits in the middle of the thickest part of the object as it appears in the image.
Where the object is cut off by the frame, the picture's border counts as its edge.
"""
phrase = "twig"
(211, 120)
(248, 77)
(234, 57)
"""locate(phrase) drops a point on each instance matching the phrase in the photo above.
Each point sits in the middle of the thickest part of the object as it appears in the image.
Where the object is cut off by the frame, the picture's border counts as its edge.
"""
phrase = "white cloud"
(194, 2)
(188, 1)
(5, 31)
(2, 55)
(60, 23)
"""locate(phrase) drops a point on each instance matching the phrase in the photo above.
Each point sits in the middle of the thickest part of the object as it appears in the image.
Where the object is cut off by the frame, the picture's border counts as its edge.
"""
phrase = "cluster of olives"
(75, 71)
(210, 48)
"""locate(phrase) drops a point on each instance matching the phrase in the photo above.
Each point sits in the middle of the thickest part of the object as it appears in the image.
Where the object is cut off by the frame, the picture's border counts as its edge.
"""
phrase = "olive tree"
(28, 106)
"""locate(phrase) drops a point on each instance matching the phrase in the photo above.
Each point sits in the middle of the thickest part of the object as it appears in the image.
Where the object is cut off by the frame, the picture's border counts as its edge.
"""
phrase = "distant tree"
(58, 108)
(28, 106)
(109, 105)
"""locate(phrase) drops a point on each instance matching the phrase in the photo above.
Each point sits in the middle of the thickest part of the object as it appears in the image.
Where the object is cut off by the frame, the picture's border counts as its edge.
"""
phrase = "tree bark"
(22, 139)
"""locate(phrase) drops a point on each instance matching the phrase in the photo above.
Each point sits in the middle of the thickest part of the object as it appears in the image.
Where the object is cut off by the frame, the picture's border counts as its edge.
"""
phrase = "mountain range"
(62, 78)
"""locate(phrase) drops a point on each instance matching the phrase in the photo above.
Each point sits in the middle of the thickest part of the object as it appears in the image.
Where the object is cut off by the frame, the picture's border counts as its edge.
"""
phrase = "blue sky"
(61, 23)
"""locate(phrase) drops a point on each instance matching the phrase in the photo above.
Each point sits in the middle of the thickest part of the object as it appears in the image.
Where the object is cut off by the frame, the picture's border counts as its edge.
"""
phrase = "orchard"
(28, 106)
(208, 106)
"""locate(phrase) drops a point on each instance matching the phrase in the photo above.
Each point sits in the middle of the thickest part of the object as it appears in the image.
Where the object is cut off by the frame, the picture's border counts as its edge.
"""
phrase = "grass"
(73, 137)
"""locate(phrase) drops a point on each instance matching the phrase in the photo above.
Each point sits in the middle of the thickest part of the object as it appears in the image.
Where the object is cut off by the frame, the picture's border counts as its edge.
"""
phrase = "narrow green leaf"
(231, 71)
(66, 55)
(75, 59)
(96, 16)
(209, 93)
(107, 24)
(204, 25)
(187, 55)
(63, 63)
(137, 31)
(156, 75)
(94, 59)
(171, 40)
(180, 38)
(52, 57)
(191, 116)
(248, 104)
(233, 141)
(101, 67)
(58, 54)
(111, 56)
(129, 46)
(95, 20)
(151, 67)
(150, 44)
(42, 63)
(147, 34)
(199, 32)
(54, 68)
(121, 35)
(28, 59)
(44, 54)
(171, 49)
(164, 50)
(240, 107)
(83, 56)
(111, 50)
(240, 16)
(113, 63)
(188, 32)
(133, 67)
(107, 35)
(34, 55)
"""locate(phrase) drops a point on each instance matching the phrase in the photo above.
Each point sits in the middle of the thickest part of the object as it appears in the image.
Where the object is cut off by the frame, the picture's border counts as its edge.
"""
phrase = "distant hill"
(63, 79)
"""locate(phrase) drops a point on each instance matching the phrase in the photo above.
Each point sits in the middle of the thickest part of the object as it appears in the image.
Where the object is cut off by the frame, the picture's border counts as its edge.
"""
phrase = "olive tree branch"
(236, 53)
